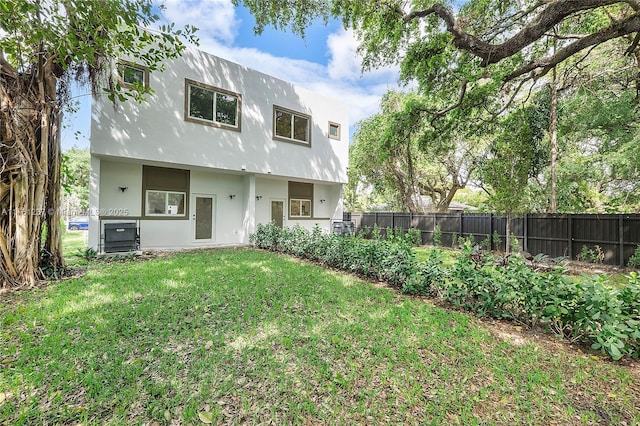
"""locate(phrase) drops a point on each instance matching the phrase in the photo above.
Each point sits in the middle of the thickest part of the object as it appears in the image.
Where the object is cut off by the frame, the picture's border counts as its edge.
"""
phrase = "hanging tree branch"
(545, 64)
(553, 13)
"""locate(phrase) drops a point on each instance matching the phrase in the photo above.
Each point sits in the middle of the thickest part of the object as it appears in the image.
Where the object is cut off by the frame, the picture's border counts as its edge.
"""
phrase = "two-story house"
(216, 150)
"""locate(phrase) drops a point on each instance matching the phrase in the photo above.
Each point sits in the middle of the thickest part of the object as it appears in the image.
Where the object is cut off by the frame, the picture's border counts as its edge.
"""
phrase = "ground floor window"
(165, 203)
(300, 200)
(165, 193)
(299, 208)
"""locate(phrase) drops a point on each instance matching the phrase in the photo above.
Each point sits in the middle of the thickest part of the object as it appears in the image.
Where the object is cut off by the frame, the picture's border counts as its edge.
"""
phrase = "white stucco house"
(216, 150)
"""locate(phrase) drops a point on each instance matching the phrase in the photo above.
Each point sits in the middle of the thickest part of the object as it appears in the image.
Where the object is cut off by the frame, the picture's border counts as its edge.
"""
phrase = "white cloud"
(214, 18)
(340, 78)
(344, 62)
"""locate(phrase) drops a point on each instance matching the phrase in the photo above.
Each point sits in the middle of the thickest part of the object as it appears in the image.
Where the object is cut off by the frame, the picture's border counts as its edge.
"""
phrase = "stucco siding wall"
(229, 212)
(113, 201)
(156, 130)
(269, 190)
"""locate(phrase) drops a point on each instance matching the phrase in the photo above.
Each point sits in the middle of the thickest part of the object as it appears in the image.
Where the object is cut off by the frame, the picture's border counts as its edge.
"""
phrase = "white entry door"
(203, 209)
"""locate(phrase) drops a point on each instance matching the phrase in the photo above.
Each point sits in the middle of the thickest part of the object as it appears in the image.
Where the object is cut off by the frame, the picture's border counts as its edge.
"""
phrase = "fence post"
(621, 237)
(491, 232)
(433, 231)
(410, 221)
(460, 226)
(570, 236)
(525, 233)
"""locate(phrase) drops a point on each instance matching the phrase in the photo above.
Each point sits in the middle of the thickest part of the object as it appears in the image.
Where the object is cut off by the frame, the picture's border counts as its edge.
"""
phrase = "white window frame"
(290, 138)
(166, 203)
(300, 200)
(216, 91)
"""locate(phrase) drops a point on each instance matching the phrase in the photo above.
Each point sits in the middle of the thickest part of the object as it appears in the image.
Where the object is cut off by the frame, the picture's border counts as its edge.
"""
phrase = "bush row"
(589, 310)
(387, 260)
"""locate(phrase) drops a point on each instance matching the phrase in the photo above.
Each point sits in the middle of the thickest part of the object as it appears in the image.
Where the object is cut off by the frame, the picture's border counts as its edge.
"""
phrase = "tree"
(384, 153)
(517, 154)
(495, 48)
(601, 144)
(76, 168)
(501, 40)
(597, 136)
(45, 45)
(403, 156)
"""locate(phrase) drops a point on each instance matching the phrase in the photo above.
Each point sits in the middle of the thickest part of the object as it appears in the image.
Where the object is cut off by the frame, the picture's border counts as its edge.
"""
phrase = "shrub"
(497, 241)
(437, 236)
(634, 260)
(514, 243)
(413, 237)
(430, 277)
(88, 253)
(486, 244)
(609, 316)
(375, 233)
(591, 310)
(594, 255)
(266, 236)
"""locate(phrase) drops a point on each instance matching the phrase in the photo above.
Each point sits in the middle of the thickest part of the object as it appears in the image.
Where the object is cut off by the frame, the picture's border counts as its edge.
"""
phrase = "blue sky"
(325, 61)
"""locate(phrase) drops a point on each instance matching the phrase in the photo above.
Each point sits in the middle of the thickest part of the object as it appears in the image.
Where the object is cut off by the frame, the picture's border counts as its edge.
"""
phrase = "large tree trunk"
(52, 252)
(29, 167)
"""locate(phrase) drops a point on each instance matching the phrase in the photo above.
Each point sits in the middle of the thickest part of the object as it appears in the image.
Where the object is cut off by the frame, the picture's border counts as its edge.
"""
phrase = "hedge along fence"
(591, 310)
(616, 236)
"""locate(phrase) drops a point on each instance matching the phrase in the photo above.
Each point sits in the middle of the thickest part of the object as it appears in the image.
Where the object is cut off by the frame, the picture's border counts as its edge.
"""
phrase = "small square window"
(133, 75)
(334, 130)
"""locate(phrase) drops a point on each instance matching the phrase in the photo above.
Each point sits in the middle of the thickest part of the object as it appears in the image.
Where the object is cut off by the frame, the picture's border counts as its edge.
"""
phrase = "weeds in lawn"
(88, 253)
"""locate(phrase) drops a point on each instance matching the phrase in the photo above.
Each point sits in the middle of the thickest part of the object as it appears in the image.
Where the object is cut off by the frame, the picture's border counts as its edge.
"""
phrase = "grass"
(73, 243)
(449, 259)
(244, 336)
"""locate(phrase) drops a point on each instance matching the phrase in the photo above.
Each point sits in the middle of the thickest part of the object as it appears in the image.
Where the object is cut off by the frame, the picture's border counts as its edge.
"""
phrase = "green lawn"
(73, 243)
(244, 336)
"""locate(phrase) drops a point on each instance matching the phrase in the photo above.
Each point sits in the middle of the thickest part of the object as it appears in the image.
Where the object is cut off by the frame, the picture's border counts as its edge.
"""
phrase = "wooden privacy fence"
(617, 235)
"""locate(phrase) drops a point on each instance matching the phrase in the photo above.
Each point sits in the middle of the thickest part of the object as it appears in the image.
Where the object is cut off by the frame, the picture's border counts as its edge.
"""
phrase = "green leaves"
(404, 155)
(82, 37)
(206, 417)
(591, 310)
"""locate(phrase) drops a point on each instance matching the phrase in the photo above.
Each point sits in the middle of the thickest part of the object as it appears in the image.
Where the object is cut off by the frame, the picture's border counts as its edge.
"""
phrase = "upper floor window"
(334, 130)
(131, 74)
(291, 126)
(211, 105)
